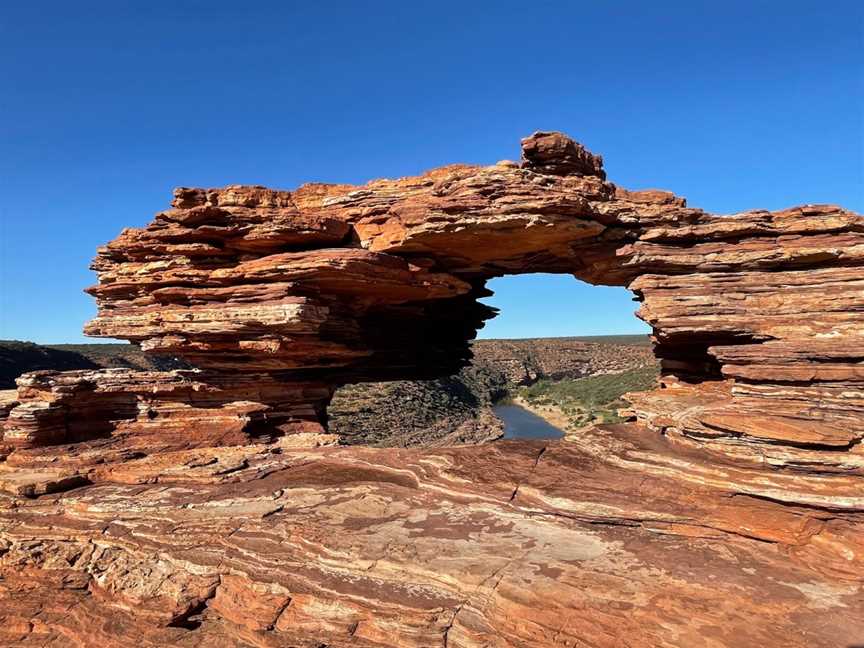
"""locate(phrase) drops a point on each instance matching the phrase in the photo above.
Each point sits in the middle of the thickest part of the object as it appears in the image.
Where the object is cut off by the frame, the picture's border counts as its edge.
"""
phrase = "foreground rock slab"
(607, 541)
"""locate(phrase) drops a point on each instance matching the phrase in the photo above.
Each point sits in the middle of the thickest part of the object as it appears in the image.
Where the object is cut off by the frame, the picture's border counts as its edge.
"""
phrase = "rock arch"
(278, 297)
(757, 317)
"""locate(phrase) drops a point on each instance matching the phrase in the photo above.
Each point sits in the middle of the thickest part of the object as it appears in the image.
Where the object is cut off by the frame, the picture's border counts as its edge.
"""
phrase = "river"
(519, 423)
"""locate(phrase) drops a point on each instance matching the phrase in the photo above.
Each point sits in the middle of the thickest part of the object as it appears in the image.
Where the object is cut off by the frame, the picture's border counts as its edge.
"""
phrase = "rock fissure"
(533, 468)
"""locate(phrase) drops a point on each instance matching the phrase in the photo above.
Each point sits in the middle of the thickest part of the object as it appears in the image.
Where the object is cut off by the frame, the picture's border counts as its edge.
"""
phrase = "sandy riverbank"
(553, 415)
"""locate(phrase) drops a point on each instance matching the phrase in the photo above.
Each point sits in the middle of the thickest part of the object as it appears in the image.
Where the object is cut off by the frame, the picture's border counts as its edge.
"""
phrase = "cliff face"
(415, 413)
(205, 507)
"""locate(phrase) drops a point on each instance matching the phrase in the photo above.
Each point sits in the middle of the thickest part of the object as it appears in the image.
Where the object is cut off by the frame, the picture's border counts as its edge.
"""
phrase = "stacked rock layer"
(757, 317)
(197, 507)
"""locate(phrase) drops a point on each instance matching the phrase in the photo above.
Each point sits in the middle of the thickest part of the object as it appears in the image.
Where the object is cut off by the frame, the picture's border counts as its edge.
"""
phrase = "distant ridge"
(631, 338)
(17, 357)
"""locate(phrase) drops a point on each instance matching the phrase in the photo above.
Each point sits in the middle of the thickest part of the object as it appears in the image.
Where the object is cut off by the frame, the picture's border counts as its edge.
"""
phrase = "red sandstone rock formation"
(729, 513)
(380, 282)
(59, 407)
(617, 539)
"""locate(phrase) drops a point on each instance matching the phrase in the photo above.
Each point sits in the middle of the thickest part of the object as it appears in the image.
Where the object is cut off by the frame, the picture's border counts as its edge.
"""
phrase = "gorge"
(212, 506)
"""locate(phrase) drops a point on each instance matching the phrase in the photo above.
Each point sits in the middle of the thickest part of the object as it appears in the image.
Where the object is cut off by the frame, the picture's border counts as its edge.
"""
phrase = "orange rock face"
(206, 507)
(619, 538)
(381, 281)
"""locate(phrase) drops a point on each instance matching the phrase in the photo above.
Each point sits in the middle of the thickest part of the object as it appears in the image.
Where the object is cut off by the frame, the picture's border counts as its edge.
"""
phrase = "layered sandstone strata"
(61, 407)
(756, 316)
(176, 508)
(18, 357)
(616, 539)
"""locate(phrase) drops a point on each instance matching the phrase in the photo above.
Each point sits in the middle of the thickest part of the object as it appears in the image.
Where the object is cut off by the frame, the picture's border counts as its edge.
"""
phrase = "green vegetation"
(594, 399)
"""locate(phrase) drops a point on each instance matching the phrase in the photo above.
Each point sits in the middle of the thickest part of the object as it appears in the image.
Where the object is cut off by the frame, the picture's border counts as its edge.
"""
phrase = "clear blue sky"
(108, 105)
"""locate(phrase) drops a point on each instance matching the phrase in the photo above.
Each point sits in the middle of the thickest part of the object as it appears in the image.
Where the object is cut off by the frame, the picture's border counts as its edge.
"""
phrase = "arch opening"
(544, 305)
(563, 331)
